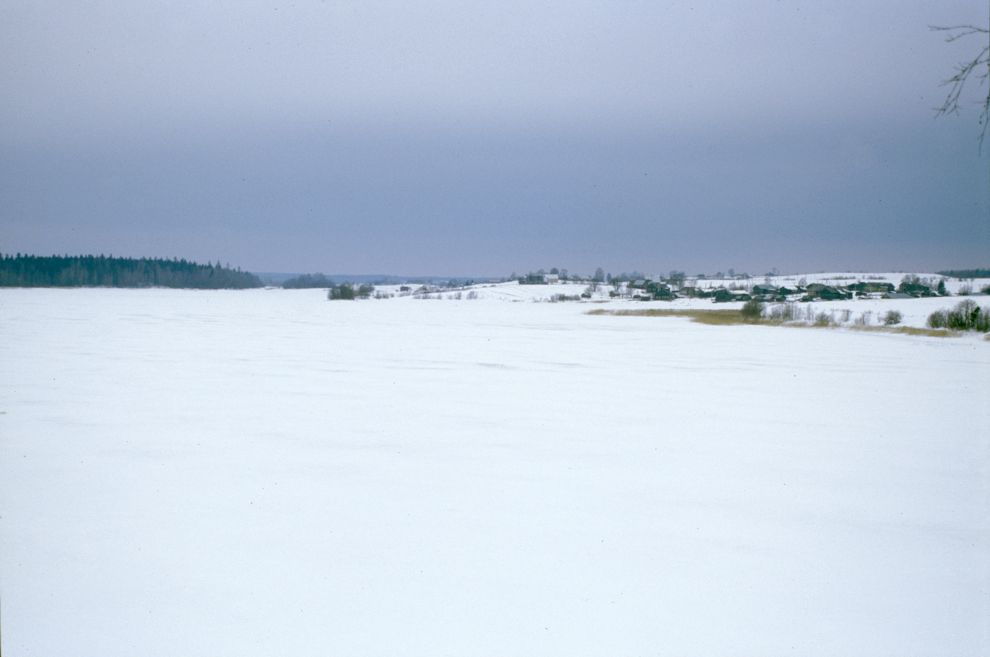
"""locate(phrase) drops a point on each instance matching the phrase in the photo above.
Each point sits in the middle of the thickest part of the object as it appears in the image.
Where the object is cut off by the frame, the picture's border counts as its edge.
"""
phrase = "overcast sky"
(482, 138)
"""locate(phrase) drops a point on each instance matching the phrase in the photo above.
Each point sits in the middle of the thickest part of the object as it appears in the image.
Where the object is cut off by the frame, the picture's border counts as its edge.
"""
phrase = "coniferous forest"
(107, 271)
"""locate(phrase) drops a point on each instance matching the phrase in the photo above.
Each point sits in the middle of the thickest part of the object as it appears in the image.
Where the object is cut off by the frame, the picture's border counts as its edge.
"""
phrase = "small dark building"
(916, 289)
(660, 291)
(723, 295)
(826, 293)
(871, 287)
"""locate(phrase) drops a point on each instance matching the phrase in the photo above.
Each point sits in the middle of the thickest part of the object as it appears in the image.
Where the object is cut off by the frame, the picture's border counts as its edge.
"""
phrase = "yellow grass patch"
(909, 330)
(716, 317)
(726, 317)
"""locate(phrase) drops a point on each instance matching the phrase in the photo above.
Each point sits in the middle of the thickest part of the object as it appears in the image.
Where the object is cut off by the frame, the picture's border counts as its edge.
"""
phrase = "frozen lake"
(268, 473)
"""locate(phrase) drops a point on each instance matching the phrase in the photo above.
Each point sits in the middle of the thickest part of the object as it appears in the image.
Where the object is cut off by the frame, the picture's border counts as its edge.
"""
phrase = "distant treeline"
(103, 271)
(966, 273)
(327, 281)
(308, 280)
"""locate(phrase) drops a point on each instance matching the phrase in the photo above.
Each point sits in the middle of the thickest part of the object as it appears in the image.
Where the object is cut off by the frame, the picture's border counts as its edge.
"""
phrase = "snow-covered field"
(269, 473)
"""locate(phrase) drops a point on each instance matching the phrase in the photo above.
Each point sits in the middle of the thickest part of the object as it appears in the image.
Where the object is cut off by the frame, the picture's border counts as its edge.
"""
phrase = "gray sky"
(481, 138)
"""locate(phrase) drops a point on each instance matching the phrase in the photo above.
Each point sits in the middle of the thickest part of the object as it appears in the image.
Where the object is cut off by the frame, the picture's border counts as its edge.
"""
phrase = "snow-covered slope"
(269, 473)
(511, 291)
(866, 311)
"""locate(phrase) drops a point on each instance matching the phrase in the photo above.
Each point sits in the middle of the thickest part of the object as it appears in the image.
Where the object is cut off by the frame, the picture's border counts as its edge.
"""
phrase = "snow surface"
(268, 473)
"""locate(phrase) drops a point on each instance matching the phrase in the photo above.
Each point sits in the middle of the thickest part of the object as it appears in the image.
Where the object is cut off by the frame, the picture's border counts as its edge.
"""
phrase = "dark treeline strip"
(103, 271)
(307, 281)
(965, 273)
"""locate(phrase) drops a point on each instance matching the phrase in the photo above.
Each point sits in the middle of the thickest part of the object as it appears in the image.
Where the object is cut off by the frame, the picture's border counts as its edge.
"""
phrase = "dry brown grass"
(909, 330)
(727, 317)
(721, 317)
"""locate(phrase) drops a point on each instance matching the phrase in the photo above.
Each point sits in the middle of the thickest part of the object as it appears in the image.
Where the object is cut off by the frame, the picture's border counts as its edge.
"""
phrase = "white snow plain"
(269, 473)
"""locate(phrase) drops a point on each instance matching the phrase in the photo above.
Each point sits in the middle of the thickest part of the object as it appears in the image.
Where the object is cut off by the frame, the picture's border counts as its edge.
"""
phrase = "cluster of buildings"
(663, 289)
(648, 290)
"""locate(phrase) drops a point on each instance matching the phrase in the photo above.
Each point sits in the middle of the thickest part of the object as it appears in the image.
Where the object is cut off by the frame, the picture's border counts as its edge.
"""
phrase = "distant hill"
(274, 278)
(966, 273)
(103, 271)
(324, 280)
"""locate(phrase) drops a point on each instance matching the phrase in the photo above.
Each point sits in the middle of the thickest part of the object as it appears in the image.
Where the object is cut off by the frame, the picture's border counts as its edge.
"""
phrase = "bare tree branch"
(961, 30)
(978, 67)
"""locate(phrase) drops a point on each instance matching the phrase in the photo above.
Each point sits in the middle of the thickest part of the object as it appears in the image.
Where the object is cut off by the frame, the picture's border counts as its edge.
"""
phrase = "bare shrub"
(752, 310)
(938, 319)
(824, 319)
(892, 318)
(965, 290)
(865, 319)
(783, 312)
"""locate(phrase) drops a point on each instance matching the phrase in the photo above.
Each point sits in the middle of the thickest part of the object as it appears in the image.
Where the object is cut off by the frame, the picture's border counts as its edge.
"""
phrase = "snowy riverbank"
(266, 472)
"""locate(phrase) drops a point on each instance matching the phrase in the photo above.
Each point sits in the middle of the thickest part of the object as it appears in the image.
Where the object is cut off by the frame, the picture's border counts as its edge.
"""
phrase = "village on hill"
(719, 288)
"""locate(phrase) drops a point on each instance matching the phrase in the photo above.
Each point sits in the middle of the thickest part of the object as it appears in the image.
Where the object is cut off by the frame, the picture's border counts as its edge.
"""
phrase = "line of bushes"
(754, 311)
(966, 316)
(346, 291)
